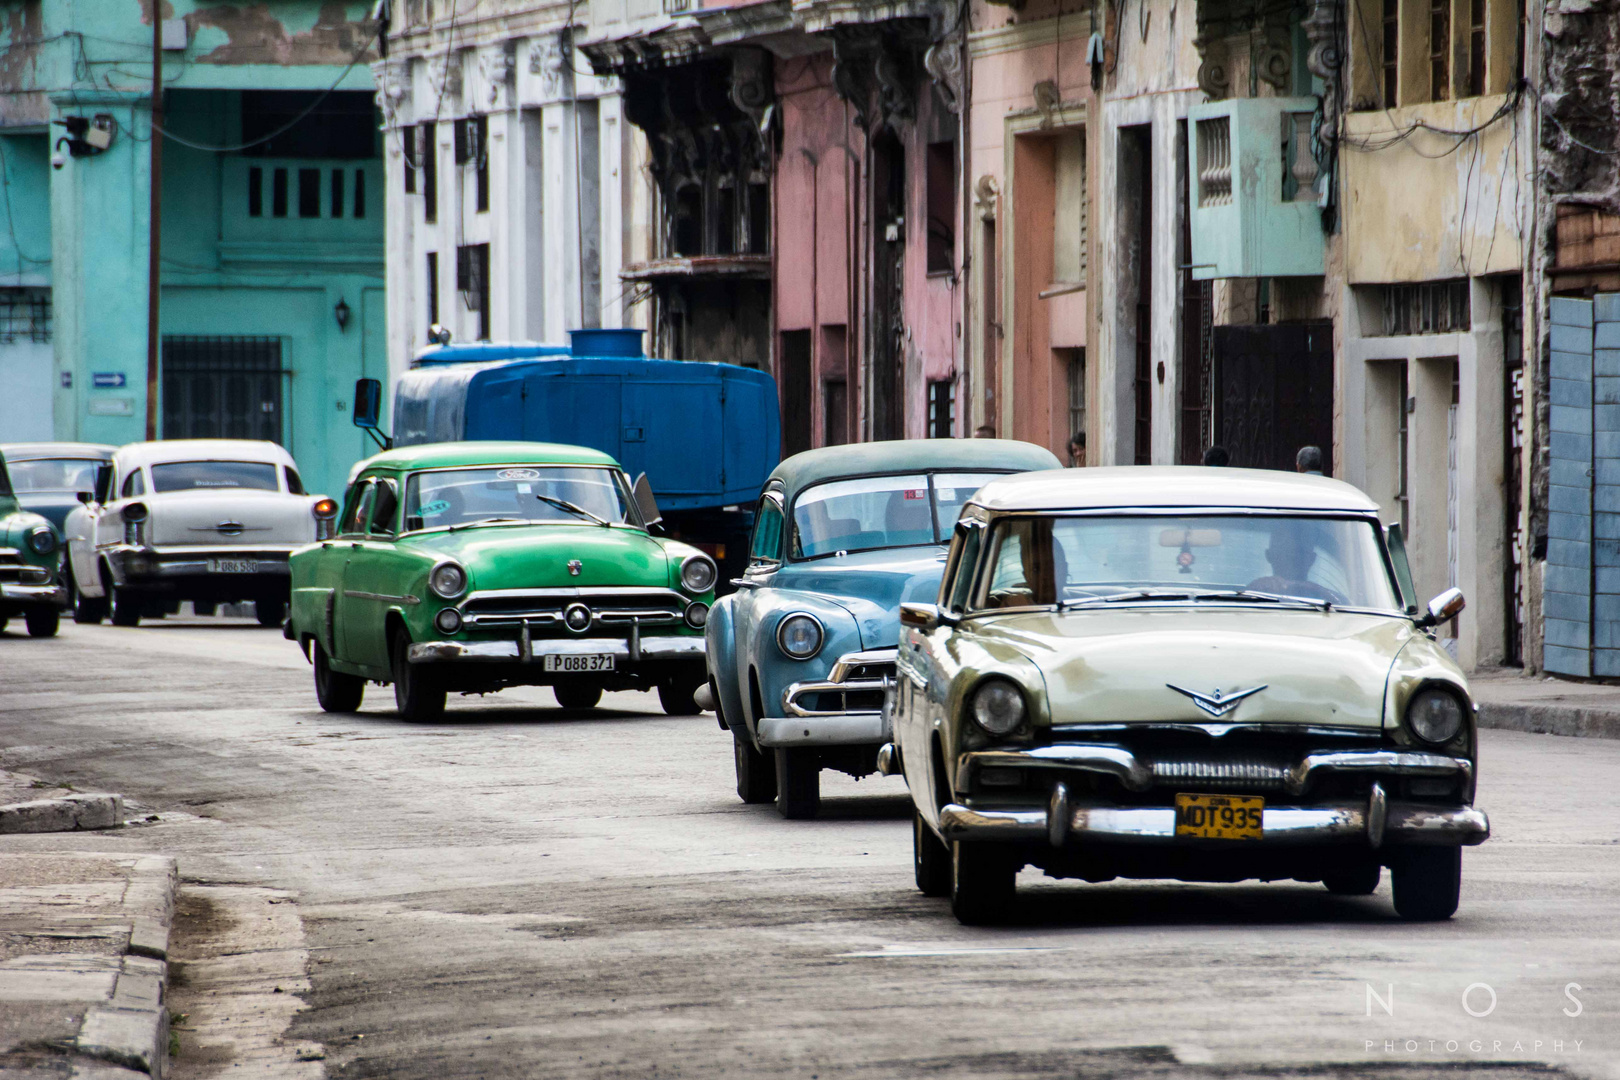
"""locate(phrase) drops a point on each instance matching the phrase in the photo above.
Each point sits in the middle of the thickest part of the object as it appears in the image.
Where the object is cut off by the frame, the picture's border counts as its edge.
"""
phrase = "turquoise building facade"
(272, 223)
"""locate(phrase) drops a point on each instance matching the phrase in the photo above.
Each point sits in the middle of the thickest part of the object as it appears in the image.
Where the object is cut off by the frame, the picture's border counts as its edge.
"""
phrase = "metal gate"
(1274, 393)
(222, 388)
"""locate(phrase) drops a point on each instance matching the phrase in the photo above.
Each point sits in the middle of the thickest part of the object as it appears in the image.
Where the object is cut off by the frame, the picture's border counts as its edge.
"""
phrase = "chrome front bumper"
(55, 595)
(825, 729)
(526, 650)
(1374, 821)
(136, 566)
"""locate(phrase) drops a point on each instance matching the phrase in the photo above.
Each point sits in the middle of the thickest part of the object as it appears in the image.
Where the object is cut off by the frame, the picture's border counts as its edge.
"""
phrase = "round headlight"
(800, 635)
(135, 512)
(448, 621)
(697, 614)
(997, 707)
(448, 580)
(42, 539)
(1435, 716)
(577, 618)
(698, 574)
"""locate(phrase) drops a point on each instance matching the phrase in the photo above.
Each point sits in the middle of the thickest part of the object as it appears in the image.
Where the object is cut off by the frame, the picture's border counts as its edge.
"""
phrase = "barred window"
(25, 315)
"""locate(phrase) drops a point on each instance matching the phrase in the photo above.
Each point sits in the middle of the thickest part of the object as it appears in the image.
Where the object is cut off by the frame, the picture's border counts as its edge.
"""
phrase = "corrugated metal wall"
(1567, 593)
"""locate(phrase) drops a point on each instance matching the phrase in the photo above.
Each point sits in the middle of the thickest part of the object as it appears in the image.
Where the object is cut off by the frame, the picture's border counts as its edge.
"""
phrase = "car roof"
(909, 455)
(446, 455)
(33, 451)
(1171, 486)
(165, 450)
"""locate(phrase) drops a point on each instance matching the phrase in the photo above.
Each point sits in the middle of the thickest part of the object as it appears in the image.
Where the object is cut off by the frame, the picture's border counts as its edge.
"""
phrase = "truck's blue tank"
(706, 434)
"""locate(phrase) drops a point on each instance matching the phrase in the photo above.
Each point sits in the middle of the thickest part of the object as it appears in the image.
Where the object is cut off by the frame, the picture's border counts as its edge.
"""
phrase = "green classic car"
(30, 565)
(469, 567)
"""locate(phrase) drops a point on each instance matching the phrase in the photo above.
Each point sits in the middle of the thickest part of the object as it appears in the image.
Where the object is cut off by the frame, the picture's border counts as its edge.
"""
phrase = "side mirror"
(921, 616)
(104, 478)
(367, 403)
(1443, 608)
(645, 502)
(87, 497)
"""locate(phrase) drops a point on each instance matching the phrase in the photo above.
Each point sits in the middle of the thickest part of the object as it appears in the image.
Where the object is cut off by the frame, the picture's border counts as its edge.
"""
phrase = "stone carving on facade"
(1214, 67)
(895, 88)
(1325, 60)
(495, 69)
(393, 79)
(943, 62)
(547, 60)
(1048, 100)
(851, 71)
(751, 85)
(985, 195)
(444, 74)
(1273, 58)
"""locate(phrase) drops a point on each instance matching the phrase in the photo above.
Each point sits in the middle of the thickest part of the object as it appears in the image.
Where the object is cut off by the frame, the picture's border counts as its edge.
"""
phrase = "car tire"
(270, 612)
(798, 783)
(1357, 879)
(678, 695)
(127, 608)
(87, 611)
(1427, 883)
(984, 883)
(930, 857)
(418, 691)
(336, 692)
(577, 695)
(756, 773)
(42, 622)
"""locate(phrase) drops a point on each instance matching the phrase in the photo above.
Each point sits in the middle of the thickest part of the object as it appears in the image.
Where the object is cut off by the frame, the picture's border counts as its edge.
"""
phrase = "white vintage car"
(206, 520)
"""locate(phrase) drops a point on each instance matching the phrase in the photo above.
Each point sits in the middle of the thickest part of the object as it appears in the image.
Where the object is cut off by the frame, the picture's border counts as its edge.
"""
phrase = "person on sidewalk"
(1309, 460)
(1217, 457)
(1077, 450)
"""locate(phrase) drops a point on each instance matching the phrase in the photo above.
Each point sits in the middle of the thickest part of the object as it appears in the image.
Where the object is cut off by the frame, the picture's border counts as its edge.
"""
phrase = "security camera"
(58, 160)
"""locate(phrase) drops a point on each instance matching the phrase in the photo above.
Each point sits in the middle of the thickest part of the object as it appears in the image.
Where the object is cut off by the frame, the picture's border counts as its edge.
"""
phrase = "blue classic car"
(47, 477)
(801, 655)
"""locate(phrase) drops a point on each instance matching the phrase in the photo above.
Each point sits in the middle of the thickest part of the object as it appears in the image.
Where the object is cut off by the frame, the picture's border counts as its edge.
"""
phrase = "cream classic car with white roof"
(206, 520)
(1194, 673)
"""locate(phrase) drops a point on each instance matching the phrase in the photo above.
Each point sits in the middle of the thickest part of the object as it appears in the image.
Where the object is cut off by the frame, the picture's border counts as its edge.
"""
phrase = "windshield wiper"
(1254, 596)
(1133, 594)
(579, 511)
(482, 521)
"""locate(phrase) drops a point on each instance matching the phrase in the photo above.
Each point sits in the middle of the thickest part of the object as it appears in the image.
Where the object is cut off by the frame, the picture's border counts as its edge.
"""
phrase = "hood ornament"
(1217, 704)
(575, 566)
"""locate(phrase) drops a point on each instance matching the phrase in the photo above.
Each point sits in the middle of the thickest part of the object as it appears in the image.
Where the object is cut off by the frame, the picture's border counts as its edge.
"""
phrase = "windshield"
(881, 512)
(1043, 560)
(569, 494)
(54, 474)
(190, 475)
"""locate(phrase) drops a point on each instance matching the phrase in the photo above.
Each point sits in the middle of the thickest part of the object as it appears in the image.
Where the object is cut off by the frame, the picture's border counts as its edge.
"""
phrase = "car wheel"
(270, 612)
(930, 858)
(42, 622)
(418, 691)
(87, 611)
(577, 695)
(127, 608)
(1357, 879)
(1427, 883)
(756, 773)
(984, 883)
(798, 783)
(677, 695)
(336, 691)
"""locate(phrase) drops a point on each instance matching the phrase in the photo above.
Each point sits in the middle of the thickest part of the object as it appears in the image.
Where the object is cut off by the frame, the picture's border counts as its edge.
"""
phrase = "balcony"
(1253, 190)
(276, 210)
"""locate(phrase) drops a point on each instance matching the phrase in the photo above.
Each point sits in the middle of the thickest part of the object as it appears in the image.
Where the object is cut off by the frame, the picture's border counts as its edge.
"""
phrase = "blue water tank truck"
(706, 435)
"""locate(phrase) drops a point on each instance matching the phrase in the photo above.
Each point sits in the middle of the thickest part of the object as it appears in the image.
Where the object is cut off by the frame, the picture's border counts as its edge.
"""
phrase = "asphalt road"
(521, 891)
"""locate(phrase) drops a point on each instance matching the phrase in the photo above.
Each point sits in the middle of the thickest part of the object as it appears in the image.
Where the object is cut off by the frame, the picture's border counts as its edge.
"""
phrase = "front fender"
(720, 647)
(777, 671)
(1422, 663)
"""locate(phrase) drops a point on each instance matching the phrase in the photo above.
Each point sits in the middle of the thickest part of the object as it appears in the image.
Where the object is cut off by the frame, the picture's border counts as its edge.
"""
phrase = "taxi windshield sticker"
(518, 474)
(432, 508)
(916, 493)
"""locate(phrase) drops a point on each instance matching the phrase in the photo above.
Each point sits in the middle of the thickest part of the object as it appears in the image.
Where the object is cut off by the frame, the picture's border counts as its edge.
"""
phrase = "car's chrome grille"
(14, 571)
(1245, 773)
(543, 609)
(870, 672)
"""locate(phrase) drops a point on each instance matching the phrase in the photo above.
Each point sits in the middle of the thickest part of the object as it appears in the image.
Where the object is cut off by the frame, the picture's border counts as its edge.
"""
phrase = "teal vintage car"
(30, 565)
(469, 567)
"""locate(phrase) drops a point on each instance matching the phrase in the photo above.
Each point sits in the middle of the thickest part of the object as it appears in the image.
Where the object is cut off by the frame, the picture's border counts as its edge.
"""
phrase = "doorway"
(222, 387)
(1274, 392)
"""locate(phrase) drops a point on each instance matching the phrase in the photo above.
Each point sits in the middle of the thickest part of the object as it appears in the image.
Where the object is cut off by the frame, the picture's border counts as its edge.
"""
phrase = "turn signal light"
(325, 511)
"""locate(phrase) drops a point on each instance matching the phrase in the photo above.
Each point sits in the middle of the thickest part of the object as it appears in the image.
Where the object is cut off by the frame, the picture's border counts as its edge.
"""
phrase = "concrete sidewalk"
(1510, 699)
(84, 942)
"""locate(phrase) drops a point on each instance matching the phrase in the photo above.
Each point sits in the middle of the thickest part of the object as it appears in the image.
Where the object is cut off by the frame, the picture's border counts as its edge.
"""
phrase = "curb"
(132, 1029)
(1551, 720)
(71, 813)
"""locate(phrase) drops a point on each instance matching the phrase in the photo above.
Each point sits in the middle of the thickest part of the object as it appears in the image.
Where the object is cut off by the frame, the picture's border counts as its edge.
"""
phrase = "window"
(1392, 53)
(1439, 50)
(971, 537)
(339, 125)
(430, 172)
(874, 512)
(309, 193)
(134, 484)
(295, 486)
(359, 506)
(472, 281)
(359, 194)
(524, 493)
(1434, 307)
(472, 148)
(942, 409)
(25, 315)
(410, 153)
(941, 207)
(767, 542)
(1476, 47)
(835, 412)
(255, 192)
(1069, 218)
(432, 288)
(212, 475)
(384, 506)
(337, 193)
(278, 193)
(1075, 361)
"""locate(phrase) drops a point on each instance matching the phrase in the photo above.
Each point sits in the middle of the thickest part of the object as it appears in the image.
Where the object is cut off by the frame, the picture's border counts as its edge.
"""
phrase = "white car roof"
(164, 450)
(1171, 486)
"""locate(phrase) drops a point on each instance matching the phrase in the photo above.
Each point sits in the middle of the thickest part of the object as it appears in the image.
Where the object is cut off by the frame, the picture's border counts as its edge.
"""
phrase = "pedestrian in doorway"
(1217, 456)
(1077, 450)
(1309, 460)
(984, 431)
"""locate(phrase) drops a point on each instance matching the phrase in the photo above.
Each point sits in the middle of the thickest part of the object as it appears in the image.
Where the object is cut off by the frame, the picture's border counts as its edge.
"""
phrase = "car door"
(372, 582)
(351, 534)
(80, 534)
(764, 560)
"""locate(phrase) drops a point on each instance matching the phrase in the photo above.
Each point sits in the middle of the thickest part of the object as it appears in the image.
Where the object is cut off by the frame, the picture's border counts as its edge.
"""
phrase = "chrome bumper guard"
(34, 594)
(838, 682)
(837, 729)
(1375, 822)
(526, 650)
(148, 564)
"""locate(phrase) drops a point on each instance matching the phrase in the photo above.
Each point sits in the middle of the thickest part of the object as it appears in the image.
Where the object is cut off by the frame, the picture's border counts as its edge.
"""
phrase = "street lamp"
(341, 313)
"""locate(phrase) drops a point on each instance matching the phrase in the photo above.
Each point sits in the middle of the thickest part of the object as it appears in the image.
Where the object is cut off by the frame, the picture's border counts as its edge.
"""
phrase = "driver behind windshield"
(1292, 554)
